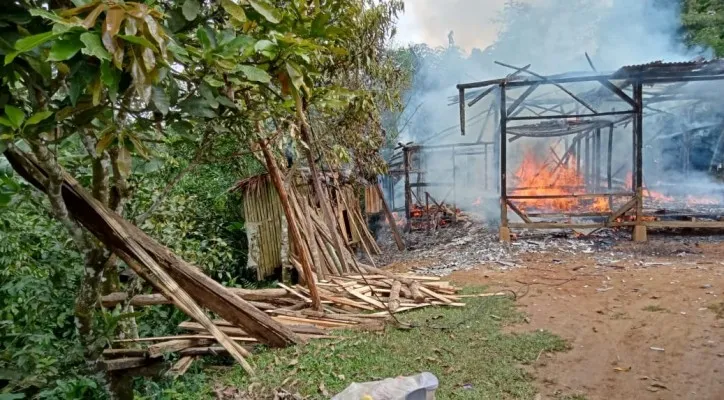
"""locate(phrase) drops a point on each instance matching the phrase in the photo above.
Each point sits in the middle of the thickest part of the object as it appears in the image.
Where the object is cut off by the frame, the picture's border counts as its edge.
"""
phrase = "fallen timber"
(177, 280)
(274, 317)
(366, 302)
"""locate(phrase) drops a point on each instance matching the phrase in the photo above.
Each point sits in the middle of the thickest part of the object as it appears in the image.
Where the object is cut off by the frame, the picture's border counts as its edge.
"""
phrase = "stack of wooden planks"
(351, 302)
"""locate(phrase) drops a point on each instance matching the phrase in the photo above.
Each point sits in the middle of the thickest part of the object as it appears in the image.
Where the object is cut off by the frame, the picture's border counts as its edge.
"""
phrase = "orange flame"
(701, 200)
(399, 221)
(690, 200)
(535, 177)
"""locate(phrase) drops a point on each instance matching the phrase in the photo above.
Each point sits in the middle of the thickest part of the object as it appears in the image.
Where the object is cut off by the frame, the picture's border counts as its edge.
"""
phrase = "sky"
(429, 21)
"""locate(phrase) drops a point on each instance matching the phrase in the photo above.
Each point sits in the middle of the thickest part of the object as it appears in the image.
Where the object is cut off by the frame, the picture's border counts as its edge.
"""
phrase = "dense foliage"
(703, 23)
(158, 107)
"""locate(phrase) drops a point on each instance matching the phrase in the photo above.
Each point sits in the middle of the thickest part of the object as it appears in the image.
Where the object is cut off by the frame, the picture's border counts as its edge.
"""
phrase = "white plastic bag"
(418, 387)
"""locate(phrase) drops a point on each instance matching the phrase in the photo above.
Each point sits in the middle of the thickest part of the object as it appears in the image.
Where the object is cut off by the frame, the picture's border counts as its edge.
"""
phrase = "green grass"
(655, 308)
(464, 347)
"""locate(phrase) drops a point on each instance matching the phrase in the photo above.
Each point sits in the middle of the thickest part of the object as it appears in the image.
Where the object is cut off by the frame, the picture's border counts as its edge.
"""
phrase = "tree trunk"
(293, 226)
(86, 302)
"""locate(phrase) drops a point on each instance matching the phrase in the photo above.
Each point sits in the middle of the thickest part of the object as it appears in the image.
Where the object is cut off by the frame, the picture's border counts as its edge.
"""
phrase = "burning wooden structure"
(585, 169)
(430, 203)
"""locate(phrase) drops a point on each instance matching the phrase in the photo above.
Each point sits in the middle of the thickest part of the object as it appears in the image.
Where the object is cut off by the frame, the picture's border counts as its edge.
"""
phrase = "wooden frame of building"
(613, 85)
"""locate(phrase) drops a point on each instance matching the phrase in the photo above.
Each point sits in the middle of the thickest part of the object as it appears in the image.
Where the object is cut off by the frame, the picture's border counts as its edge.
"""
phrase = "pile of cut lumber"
(350, 302)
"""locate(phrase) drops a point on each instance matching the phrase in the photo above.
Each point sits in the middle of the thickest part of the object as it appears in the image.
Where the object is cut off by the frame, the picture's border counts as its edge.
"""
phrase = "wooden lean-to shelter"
(267, 233)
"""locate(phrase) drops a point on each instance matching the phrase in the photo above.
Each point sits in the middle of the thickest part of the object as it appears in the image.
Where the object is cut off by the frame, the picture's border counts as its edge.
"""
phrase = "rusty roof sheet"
(660, 68)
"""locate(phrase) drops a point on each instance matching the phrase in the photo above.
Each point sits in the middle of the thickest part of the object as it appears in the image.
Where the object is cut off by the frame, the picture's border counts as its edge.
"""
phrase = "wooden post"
(609, 164)
(318, 191)
(293, 225)
(504, 229)
(639, 233)
(390, 220)
(578, 156)
(587, 162)
(461, 98)
(496, 148)
(408, 190)
(597, 161)
(427, 210)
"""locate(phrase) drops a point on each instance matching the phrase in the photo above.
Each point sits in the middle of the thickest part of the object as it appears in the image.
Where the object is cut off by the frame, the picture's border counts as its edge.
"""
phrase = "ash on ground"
(466, 245)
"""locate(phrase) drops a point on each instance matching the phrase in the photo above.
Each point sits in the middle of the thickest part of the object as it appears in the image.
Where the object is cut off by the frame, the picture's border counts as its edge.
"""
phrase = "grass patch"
(655, 308)
(464, 347)
(717, 308)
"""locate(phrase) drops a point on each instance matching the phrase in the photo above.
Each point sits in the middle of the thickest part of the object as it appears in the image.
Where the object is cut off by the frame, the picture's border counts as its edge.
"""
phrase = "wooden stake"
(390, 220)
(159, 349)
(293, 225)
(394, 302)
(181, 366)
(316, 185)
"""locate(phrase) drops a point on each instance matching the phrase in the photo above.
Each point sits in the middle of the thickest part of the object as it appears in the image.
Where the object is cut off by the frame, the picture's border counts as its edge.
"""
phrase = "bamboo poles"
(306, 269)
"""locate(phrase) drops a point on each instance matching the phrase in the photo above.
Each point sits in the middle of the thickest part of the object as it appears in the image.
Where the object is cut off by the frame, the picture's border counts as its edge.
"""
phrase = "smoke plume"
(553, 36)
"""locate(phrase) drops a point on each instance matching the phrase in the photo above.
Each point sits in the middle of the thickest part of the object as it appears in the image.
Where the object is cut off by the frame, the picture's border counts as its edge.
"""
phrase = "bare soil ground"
(648, 326)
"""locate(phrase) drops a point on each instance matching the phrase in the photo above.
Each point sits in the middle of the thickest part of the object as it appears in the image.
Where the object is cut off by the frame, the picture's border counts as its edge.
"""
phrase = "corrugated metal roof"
(652, 69)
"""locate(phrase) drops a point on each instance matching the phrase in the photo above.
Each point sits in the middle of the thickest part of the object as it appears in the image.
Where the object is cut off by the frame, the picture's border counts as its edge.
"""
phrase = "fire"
(701, 201)
(651, 194)
(690, 200)
(536, 177)
(399, 221)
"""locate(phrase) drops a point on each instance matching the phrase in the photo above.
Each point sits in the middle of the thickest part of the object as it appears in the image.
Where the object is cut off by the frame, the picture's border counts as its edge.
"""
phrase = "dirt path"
(663, 298)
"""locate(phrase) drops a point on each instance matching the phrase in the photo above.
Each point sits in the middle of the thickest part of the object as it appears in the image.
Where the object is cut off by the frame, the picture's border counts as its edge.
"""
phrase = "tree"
(105, 90)
(703, 23)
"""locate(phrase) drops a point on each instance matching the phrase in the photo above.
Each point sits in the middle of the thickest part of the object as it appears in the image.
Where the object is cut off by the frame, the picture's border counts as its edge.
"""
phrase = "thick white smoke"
(552, 36)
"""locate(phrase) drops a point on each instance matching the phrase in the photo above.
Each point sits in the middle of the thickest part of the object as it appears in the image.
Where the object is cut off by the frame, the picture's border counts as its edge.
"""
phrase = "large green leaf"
(184, 129)
(267, 10)
(254, 74)
(110, 77)
(235, 10)
(320, 23)
(5, 121)
(93, 46)
(65, 49)
(51, 16)
(206, 37)
(38, 117)
(30, 42)
(160, 100)
(197, 107)
(15, 115)
(5, 199)
(191, 9)
(266, 47)
(295, 75)
(138, 40)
